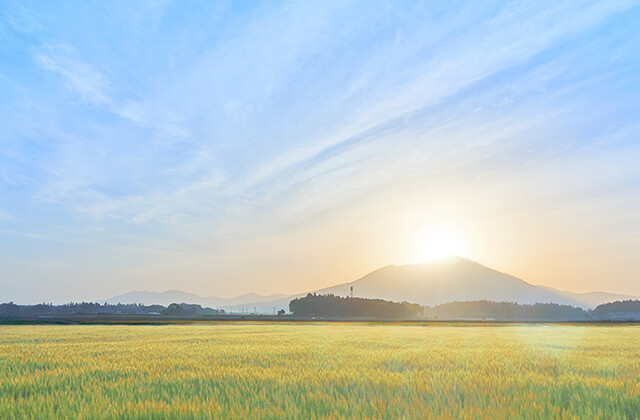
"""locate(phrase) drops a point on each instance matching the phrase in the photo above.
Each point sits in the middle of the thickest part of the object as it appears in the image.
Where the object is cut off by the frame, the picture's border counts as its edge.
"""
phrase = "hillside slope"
(458, 279)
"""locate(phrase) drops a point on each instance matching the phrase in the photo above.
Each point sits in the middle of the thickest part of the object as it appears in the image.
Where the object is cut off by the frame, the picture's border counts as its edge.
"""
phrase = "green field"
(306, 371)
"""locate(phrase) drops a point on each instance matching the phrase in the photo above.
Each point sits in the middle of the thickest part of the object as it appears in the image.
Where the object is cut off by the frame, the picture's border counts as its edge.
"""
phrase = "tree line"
(507, 311)
(91, 308)
(331, 306)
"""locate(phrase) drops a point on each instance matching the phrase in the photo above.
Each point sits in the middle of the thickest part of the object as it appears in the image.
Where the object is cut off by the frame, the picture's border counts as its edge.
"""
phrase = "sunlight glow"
(438, 242)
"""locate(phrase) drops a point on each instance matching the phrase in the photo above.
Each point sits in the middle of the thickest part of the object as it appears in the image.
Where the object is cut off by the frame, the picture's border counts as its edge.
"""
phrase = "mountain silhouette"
(168, 297)
(451, 279)
(455, 279)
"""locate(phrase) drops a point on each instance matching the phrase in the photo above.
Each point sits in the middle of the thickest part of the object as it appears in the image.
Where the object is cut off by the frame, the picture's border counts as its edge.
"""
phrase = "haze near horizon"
(223, 148)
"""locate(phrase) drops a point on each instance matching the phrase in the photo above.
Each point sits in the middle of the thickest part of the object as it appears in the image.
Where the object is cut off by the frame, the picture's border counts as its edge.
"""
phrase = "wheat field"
(316, 370)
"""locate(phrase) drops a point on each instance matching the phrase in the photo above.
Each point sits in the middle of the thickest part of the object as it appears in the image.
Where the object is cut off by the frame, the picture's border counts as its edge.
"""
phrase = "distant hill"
(592, 299)
(455, 279)
(244, 302)
(451, 279)
(155, 298)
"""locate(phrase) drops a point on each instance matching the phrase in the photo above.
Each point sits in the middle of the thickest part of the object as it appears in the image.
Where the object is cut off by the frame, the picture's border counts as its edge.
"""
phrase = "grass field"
(262, 370)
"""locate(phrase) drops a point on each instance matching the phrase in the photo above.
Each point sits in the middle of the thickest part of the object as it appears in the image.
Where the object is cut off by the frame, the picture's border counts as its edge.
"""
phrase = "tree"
(336, 306)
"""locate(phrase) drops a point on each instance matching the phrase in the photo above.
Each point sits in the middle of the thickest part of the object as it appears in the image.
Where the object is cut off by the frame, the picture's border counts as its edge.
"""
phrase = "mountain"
(244, 302)
(593, 299)
(455, 279)
(155, 298)
(451, 279)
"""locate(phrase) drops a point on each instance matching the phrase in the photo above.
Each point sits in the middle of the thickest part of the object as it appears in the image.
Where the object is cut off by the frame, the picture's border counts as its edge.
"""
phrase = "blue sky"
(228, 147)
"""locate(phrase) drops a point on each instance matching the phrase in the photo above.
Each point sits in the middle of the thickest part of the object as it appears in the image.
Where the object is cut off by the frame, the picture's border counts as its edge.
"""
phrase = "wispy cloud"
(392, 85)
(171, 131)
(79, 76)
(93, 87)
(509, 39)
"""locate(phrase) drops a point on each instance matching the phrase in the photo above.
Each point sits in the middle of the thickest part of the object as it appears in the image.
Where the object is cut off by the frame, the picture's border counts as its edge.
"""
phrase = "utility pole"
(351, 291)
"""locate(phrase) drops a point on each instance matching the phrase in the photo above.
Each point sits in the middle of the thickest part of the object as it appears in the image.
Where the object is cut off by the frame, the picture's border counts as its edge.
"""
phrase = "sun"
(437, 242)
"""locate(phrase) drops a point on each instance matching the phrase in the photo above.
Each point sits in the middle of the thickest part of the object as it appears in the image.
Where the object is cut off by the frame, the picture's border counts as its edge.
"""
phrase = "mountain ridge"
(472, 281)
(446, 280)
(178, 296)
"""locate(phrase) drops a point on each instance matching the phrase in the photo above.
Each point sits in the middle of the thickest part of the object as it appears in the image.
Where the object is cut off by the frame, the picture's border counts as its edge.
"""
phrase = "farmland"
(316, 370)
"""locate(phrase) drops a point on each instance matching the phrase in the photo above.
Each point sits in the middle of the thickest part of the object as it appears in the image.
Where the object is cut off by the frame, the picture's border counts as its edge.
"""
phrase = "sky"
(226, 147)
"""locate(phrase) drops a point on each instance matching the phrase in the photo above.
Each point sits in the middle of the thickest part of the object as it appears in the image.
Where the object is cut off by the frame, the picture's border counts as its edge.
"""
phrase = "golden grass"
(306, 371)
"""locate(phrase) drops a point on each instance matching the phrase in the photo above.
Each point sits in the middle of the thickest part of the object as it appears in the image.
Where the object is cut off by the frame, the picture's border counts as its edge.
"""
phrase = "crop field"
(306, 371)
